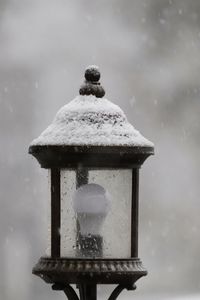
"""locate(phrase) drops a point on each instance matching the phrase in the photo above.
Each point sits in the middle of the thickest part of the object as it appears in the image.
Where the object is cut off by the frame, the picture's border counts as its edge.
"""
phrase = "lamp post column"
(88, 291)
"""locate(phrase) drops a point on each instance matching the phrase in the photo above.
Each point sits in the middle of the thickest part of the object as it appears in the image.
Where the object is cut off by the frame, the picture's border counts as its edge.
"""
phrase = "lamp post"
(94, 155)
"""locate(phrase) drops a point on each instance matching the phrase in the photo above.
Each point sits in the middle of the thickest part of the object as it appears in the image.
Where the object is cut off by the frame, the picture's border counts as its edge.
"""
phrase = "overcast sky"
(148, 54)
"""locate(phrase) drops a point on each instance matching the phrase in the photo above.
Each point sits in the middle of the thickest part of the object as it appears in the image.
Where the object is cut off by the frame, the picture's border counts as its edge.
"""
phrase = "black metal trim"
(90, 156)
(90, 271)
(55, 212)
(135, 212)
(93, 149)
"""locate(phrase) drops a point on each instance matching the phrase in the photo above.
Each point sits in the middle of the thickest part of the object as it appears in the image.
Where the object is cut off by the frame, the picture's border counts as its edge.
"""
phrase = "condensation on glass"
(96, 216)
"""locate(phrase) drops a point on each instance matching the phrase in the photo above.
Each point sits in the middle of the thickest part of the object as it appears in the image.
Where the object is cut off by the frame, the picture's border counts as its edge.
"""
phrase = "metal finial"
(92, 85)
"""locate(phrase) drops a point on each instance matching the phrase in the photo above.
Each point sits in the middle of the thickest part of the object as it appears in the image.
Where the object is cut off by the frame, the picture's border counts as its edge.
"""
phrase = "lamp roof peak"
(92, 86)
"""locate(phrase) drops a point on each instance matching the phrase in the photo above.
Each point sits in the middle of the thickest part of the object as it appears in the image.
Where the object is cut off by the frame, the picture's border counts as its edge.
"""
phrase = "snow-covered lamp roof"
(91, 120)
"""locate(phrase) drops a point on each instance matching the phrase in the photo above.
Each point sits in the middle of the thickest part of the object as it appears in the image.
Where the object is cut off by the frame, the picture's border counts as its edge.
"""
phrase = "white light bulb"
(91, 203)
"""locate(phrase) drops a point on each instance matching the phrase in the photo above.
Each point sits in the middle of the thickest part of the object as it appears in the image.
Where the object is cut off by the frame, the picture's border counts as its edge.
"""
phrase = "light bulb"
(91, 204)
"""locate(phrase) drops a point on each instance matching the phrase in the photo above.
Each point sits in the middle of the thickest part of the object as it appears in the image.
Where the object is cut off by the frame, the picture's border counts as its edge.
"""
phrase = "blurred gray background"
(149, 56)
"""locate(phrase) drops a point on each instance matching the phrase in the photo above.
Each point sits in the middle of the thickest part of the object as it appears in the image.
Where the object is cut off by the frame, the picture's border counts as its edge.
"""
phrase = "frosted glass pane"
(96, 217)
(68, 219)
(116, 227)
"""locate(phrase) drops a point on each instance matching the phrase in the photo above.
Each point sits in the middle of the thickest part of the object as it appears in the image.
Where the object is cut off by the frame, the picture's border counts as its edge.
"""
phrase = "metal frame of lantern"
(86, 273)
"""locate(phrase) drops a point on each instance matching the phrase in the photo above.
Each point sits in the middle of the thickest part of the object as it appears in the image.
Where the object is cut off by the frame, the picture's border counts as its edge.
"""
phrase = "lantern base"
(89, 271)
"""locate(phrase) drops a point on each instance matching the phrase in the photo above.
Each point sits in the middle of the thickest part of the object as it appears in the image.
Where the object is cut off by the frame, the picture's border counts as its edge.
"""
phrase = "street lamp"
(93, 155)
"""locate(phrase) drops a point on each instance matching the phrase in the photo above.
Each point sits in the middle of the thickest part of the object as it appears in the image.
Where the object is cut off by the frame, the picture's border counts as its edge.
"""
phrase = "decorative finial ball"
(92, 73)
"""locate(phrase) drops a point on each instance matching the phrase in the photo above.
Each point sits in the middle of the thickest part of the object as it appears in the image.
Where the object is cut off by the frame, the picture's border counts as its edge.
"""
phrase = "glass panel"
(68, 219)
(116, 225)
(96, 213)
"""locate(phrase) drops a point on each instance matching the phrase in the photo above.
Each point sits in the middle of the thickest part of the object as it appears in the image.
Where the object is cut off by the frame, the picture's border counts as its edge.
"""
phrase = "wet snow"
(88, 120)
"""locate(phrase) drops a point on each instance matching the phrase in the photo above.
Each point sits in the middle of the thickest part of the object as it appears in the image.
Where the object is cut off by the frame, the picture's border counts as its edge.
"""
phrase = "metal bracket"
(119, 289)
(88, 292)
(67, 289)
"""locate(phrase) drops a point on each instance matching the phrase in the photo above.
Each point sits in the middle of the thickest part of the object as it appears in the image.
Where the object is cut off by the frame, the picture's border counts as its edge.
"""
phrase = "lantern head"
(94, 155)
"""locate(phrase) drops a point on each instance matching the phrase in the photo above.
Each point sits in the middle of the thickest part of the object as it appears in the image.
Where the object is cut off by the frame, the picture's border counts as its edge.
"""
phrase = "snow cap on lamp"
(91, 120)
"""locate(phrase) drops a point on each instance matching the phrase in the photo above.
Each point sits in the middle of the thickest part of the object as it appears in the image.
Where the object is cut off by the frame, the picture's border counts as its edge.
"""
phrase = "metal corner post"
(134, 217)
